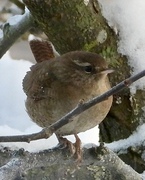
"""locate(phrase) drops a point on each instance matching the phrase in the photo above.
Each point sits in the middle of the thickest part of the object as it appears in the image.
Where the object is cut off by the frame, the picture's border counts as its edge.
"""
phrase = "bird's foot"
(75, 148)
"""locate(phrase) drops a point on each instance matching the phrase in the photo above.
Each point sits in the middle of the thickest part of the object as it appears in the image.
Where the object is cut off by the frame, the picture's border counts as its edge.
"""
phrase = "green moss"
(90, 46)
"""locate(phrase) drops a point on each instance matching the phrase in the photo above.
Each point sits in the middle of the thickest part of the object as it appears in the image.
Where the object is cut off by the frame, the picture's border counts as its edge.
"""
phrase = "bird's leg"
(75, 148)
(78, 149)
(63, 142)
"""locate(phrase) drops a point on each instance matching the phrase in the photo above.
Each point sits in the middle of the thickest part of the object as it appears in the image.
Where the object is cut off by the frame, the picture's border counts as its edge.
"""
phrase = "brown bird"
(56, 86)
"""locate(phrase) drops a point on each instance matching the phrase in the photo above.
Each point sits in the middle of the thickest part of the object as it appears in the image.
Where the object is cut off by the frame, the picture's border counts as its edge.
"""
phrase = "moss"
(90, 46)
(97, 171)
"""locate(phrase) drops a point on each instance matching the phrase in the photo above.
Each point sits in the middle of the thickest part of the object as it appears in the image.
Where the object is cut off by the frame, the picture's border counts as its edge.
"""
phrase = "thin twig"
(47, 132)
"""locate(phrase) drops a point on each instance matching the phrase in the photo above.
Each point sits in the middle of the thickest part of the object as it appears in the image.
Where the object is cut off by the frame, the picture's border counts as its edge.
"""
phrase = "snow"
(15, 19)
(13, 117)
(1, 34)
(32, 37)
(127, 17)
(134, 140)
(143, 175)
(86, 2)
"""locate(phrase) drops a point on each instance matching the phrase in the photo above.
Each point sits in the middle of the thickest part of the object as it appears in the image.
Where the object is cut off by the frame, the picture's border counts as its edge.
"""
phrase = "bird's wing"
(37, 84)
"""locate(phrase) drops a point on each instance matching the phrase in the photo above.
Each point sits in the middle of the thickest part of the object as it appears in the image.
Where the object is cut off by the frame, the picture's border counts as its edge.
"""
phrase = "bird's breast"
(62, 100)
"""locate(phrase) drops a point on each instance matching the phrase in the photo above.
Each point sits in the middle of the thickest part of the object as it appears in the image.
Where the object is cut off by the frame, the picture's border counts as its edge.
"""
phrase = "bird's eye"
(88, 69)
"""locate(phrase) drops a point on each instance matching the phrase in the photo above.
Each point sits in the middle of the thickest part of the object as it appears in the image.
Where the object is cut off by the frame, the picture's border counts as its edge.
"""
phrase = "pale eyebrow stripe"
(81, 63)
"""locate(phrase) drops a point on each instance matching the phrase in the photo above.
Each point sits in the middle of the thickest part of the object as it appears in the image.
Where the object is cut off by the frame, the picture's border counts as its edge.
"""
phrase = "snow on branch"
(13, 29)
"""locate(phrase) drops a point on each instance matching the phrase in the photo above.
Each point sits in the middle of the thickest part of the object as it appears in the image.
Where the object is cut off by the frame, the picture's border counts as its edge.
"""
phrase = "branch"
(48, 131)
(98, 163)
(11, 30)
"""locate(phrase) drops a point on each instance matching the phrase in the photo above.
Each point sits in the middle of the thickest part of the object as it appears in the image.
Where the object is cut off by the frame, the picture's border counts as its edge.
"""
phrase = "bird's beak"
(107, 71)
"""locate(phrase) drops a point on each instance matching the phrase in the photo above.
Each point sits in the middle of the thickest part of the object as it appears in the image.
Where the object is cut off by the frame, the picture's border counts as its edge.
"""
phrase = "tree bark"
(98, 163)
